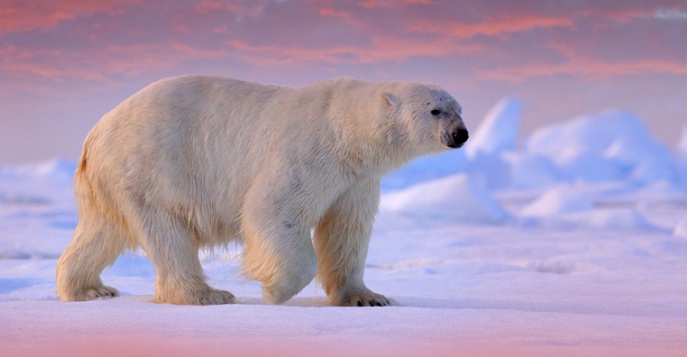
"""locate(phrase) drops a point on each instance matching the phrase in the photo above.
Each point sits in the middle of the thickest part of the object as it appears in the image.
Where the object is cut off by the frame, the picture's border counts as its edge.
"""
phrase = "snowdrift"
(37, 198)
(609, 146)
(498, 132)
(569, 206)
(560, 200)
(681, 228)
(456, 198)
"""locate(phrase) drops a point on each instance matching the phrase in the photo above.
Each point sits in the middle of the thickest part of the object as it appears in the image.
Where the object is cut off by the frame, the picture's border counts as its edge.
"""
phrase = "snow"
(557, 201)
(681, 228)
(603, 147)
(498, 132)
(531, 171)
(426, 169)
(573, 245)
(455, 198)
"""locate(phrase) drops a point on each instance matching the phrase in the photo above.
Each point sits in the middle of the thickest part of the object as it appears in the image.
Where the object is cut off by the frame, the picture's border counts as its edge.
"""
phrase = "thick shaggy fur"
(196, 161)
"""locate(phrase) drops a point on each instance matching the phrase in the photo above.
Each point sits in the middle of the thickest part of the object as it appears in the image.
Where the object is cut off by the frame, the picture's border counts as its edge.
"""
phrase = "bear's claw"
(372, 300)
(200, 296)
(217, 297)
(100, 292)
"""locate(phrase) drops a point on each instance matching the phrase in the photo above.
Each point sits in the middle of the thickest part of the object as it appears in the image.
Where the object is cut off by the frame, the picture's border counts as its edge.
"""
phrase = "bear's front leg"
(341, 242)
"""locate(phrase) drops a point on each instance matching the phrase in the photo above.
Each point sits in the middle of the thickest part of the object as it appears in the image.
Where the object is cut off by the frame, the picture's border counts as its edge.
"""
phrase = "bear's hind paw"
(204, 296)
(93, 293)
(217, 297)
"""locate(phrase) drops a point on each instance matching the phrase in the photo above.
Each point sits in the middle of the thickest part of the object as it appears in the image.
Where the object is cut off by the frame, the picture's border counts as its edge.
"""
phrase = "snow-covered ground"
(574, 244)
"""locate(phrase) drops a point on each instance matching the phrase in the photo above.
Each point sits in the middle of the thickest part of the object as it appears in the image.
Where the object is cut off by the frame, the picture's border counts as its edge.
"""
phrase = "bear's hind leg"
(173, 250)
(284, 262)
(95, 245)
(278, 247)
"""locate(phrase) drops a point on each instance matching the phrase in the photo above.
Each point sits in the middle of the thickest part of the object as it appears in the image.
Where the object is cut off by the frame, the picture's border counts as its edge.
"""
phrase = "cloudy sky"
(63, 64)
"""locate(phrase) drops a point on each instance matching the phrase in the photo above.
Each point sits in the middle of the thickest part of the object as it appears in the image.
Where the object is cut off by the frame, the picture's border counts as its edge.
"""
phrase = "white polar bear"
(197, 161)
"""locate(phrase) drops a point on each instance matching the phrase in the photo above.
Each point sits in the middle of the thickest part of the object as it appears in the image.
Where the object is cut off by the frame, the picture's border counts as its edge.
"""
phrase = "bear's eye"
(435, 112)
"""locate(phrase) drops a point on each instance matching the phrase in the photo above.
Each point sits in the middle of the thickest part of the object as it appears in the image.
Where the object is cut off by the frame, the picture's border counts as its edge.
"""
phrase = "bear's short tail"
(81, 168)
(80, 173)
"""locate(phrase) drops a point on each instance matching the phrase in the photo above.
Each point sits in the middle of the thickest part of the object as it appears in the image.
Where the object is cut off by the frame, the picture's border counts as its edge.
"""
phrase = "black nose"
(458, 138)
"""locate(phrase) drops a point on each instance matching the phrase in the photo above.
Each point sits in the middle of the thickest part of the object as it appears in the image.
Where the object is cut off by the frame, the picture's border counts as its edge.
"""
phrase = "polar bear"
(195, 161)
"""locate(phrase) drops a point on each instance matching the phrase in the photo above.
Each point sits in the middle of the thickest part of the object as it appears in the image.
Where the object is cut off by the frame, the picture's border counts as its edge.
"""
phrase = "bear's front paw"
(365, 298)
(374, 300)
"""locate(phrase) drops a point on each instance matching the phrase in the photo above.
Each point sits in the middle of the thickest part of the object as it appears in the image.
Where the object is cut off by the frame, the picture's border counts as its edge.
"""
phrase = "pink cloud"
(22, 16)
(381, 49)
(240, 8)
(347, 17)
(589, 68)
(188, 51)
(494, 27)
(324, 32)
(101, 63)
(206, 6)
(392, 3)
(625, 15)
(273, 55)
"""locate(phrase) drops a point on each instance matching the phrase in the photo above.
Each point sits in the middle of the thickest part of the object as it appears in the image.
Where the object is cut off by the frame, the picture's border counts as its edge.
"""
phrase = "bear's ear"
(391, 100)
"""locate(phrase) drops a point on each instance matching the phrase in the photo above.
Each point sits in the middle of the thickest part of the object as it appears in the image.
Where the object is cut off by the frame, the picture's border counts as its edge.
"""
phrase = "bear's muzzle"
(456, 138)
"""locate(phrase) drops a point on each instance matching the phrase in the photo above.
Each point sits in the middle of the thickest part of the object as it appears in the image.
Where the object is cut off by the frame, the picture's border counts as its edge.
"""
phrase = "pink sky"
(63, 64)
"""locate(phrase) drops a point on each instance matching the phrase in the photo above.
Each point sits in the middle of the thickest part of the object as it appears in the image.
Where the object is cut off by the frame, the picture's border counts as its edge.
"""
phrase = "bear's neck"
(370, 149)
(365, 137)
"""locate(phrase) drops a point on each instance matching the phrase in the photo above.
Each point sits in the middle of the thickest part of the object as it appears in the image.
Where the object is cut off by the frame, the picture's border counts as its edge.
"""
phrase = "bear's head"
(425, 117)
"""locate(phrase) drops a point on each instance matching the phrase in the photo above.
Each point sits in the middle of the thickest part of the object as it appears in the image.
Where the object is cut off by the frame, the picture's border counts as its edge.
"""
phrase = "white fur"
(198, 161)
